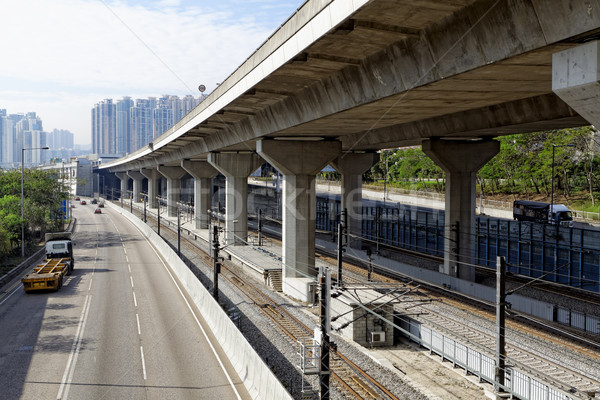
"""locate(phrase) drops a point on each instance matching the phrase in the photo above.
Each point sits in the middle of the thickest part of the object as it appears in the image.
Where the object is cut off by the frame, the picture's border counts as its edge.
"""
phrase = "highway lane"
(119, 328)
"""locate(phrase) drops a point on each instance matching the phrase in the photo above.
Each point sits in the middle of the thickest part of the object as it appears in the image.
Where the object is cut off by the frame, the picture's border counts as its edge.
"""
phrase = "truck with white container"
(59, 262)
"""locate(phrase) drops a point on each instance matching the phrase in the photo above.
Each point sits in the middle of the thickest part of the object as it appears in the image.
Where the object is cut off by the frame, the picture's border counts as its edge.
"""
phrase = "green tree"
(42, 195)
(10, 218)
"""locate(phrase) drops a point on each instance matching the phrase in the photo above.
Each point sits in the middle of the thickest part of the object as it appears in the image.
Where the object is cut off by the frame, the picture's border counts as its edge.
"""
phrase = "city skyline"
(125, 125)
(26, 131)
(87, 51)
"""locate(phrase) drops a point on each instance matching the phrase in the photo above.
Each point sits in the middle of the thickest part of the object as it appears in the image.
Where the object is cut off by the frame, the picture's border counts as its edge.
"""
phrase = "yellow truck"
(59, 262)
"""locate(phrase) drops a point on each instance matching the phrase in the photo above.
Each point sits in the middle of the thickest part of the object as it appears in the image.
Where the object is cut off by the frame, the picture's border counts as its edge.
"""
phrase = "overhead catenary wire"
(380, 314)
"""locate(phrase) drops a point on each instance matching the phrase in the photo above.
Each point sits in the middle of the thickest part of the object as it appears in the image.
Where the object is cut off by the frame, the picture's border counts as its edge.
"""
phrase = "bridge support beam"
(576, 79)
(173, 175)
(124, 183)
(236, 167)
(461, 159)
(299, 162)
(137, 184)
(153, 178)
(202, 172)
(352, 166)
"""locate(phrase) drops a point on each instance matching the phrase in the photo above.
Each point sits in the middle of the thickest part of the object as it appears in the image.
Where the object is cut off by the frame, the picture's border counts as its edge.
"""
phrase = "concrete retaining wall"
(260, 382)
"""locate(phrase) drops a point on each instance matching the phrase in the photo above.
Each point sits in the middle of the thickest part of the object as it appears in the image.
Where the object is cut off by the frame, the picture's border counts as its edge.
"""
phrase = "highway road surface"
(120, 327)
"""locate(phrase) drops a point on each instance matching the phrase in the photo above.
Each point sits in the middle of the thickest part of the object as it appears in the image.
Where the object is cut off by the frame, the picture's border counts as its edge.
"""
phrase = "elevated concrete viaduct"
(355, 77)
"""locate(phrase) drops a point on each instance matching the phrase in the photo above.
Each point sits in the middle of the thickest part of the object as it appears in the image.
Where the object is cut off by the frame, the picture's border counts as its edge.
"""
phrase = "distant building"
(142, 126)
(136, 123)
(123, 121)
(25, 131)
(166, 108)
(104, 127)
(60, 139)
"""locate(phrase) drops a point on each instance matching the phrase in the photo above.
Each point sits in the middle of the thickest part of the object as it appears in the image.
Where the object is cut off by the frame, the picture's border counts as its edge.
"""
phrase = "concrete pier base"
(153, 177)
(124, 184)
(352, 166)
(461, 159)
(173, 176)
(137, 184)
(299, 162)
(202, 172)
(236, 167)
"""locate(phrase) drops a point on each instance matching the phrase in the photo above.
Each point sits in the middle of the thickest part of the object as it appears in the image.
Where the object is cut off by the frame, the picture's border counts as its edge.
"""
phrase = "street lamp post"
(23, 197)
(554, 146)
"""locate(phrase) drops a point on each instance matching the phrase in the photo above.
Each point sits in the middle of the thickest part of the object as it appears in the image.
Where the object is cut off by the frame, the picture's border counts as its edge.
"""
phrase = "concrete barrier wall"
(258, 379)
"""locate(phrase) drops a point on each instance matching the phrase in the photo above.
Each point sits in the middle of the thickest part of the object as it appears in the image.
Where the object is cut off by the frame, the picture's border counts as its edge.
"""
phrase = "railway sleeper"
(366, 389)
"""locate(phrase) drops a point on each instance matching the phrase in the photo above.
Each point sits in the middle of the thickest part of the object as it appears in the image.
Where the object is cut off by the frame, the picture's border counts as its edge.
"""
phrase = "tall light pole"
(23, 197)
(554, 146)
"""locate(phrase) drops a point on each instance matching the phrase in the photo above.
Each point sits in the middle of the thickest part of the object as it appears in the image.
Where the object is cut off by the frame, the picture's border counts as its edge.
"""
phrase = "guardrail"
(29, 262)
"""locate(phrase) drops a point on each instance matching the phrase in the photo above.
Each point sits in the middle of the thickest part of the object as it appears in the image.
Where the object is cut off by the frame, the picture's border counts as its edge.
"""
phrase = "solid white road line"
(198, 323)
(143, 362)
(137, 317)
(68, 386)
(13, 292)
(76, 341)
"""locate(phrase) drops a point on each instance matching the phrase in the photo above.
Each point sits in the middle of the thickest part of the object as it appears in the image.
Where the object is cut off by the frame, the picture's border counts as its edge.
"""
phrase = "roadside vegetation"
(521, 170)
(43, 194)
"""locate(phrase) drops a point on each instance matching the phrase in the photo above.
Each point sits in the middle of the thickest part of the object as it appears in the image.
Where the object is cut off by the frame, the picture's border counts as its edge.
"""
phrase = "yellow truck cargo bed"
(46, 276)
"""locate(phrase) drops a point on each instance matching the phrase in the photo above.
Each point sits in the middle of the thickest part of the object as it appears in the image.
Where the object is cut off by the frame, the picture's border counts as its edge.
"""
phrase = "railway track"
(570, 380)
(348, 377)
(533, 364)
(537, 365)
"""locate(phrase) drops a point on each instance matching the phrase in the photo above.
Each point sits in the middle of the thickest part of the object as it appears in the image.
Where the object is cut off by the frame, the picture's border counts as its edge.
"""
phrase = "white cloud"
(61, 57)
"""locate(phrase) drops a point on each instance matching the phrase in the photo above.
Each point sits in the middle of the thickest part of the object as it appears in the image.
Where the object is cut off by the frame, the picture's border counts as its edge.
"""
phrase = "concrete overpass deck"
(340, 80)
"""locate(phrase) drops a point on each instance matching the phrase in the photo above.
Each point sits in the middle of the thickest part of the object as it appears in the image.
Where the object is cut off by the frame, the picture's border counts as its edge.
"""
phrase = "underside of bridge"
(378, 74)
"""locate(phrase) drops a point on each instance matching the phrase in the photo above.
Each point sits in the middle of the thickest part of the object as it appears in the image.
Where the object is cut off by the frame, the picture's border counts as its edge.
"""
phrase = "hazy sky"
(61, 57)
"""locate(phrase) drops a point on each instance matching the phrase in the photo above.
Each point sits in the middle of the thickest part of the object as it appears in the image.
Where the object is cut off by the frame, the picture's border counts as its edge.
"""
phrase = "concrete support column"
(352, 166)
(576, 77)
(137, 184)
(299, 162)
(202, 172)
(173, 175)
(153, 178)
(236, 168)
(124, 183)
(461, 160)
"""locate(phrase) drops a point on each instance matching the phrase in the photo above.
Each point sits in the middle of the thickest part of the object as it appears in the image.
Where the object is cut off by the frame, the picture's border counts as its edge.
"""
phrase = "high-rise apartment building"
(11, 150)
(29, 134)
(142, 126)
(34, 140)
(123, 134)
(163, 114)
(25, 131)
(60, 139)
(104, 127)
(136, 122)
